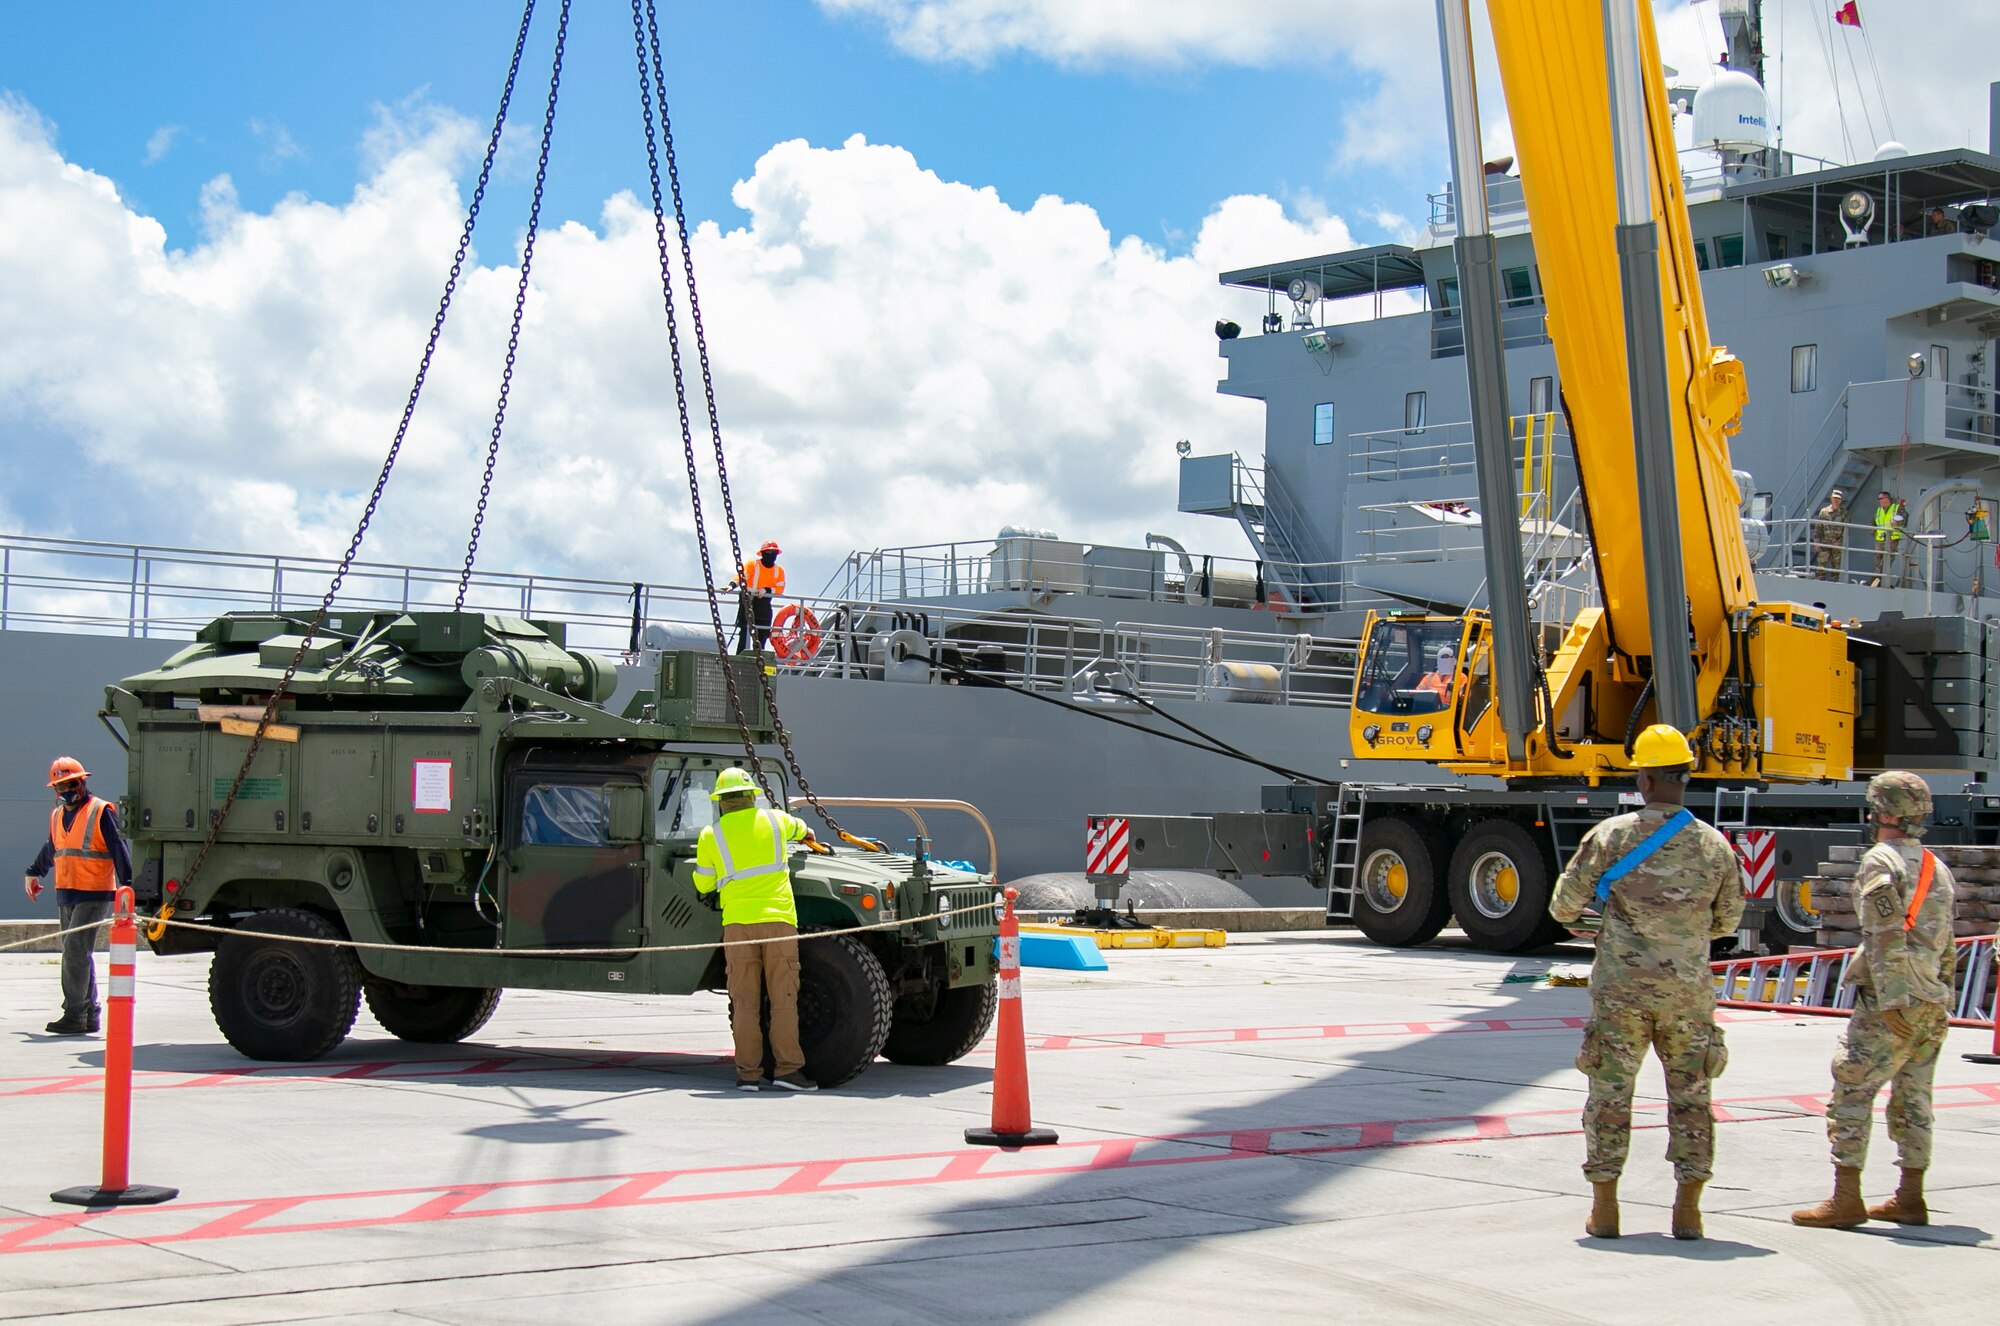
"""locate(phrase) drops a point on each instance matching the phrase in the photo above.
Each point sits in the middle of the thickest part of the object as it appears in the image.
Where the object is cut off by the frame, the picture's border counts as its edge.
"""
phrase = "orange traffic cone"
(1011, 1116)
(116, 1189)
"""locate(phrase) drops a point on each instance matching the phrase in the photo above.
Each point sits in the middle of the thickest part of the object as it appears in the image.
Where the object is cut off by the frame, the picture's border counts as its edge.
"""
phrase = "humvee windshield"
(681, 808)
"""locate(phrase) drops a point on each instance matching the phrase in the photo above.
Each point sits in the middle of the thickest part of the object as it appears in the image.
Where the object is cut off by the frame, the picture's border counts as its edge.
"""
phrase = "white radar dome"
(1732, 114)
(1890, 150)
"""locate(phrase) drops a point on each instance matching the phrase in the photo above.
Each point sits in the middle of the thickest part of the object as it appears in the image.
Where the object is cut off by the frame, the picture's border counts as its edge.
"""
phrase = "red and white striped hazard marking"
(1758, 850)
(1107, 846)
(300, 1213)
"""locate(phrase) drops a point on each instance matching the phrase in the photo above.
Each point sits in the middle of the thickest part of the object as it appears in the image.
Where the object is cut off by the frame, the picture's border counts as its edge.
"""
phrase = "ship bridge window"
(1776, 245)
(1323, 424)
(1805, 368)
(1541, 395)
(1701, 255)
(1413, 412)
(1520, 286)
(1448, 295)
(1729, 250)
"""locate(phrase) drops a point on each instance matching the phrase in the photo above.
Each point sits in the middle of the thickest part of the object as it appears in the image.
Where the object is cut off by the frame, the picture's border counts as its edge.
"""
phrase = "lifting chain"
(715, 427)
(520, 304)
(221, 817)
(644, 13)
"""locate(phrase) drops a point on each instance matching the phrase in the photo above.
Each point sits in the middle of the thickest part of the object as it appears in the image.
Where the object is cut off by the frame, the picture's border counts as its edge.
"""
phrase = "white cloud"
(161, 142)
(1936, 89)
(899, 359)
(279, 145)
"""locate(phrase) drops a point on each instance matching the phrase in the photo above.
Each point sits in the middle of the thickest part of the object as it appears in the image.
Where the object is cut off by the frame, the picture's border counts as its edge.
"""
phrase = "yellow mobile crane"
(1764, 690)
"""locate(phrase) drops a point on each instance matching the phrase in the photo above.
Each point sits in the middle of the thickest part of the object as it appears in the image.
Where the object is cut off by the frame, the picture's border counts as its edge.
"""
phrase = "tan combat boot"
(1843, 1210)
(1687, 1210)
(1907, 1206)
(1603, 1222)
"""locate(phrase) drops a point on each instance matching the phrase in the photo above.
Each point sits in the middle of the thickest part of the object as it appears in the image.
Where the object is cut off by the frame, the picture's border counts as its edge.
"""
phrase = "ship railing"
(1037, 567)
(144, 590)
(1847, 553)
(1195, 663)
(1442, 451)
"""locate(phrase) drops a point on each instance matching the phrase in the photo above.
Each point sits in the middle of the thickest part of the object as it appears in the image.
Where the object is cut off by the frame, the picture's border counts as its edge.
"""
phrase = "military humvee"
(453, 781)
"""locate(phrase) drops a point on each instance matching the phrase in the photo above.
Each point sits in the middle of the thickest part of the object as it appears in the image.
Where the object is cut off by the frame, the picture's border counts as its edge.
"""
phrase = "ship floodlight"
(1857, 211)
(1917, 363)
(1183, 447)
(1315, 341)
(1785, 276)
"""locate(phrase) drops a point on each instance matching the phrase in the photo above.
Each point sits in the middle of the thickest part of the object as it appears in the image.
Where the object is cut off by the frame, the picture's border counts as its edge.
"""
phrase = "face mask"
(71, 796)
(770, 559)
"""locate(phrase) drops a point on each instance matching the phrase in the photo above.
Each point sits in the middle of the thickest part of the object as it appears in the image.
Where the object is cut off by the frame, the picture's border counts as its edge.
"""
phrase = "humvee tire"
(429, 1014)
(844, 1008)
(275, 1000)
(958, 1021)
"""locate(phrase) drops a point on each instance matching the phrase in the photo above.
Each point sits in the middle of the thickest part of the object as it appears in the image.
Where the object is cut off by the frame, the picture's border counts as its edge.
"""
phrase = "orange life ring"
(795, 633)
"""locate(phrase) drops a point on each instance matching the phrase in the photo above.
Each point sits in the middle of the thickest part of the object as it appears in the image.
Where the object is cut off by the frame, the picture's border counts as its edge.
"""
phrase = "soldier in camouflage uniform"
(1649, 984)
(1902, 979)
(1829, 537)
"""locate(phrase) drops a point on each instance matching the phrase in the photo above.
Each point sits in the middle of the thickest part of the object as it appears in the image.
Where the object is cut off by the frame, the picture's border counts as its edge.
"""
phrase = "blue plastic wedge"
(1066, 952)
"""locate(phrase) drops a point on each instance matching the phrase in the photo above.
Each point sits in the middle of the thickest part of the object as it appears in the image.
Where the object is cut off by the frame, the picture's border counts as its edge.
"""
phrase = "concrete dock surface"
(1293, 1125)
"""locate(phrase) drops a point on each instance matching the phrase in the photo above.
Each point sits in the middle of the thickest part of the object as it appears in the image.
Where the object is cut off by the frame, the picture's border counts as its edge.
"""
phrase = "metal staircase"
(1279, 532)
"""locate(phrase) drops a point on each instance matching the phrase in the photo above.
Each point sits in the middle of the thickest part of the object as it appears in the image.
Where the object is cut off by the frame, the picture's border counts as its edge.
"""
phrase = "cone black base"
(988, 1137)
(139, 1194)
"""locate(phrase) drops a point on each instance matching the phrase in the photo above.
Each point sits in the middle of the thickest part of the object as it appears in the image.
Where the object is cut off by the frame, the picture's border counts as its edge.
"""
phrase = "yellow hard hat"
(1661, 746)
(733, 782)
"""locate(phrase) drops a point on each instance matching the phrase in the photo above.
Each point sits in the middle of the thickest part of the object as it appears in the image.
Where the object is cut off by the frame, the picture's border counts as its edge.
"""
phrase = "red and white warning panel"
(1107, 846)
(1758, 850)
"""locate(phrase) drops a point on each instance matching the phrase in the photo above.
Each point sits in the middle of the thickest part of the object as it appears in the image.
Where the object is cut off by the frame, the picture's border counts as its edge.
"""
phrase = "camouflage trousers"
(1684, 1036)
(1871, 1054)
(1826, 561)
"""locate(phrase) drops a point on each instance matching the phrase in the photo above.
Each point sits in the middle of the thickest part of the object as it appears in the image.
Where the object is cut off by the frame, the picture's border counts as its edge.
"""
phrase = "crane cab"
(1420, 684)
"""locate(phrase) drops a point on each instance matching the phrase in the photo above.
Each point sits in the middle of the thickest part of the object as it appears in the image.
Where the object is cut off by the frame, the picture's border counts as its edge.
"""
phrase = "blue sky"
(162, 97)
(908, 344)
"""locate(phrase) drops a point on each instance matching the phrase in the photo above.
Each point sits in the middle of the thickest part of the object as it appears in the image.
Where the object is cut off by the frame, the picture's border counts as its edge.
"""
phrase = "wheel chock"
(1152, 936)
(1064, 952)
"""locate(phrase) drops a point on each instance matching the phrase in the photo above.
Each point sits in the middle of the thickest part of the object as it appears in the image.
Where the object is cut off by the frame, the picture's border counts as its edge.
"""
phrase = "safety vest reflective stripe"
(756, 575)
(1885, 525)
(776, 866)
(83, 858)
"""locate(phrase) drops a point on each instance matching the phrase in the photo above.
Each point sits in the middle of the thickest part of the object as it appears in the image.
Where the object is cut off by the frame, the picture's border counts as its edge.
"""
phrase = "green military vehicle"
(452, 782)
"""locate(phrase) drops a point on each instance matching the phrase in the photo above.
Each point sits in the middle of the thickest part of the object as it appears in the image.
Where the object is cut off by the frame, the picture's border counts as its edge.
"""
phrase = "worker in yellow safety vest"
(762, 580)
(90, 858)
(1889, 522)
(741, 861)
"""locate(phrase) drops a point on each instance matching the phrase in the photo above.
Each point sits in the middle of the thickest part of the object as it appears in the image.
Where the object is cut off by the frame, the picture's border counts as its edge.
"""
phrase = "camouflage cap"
(1901, 794)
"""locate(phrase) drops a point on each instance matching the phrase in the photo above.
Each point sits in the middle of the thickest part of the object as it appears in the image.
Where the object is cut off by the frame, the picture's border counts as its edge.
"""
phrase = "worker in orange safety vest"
(762, 579)
(90, 858)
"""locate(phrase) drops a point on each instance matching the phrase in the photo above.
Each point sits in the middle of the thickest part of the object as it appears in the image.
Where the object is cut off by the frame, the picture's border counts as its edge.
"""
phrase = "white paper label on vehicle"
(430, 786)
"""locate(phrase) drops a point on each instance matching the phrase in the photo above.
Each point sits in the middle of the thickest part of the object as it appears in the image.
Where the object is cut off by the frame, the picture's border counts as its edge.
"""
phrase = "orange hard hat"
(66, 769)
(770, 545)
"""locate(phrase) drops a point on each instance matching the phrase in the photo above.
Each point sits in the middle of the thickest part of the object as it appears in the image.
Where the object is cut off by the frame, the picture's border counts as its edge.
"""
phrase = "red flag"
(1849, 14)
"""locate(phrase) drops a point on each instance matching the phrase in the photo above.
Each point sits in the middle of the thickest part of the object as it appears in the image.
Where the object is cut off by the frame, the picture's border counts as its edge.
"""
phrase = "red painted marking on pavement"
(573, 1061)
(223, 1219)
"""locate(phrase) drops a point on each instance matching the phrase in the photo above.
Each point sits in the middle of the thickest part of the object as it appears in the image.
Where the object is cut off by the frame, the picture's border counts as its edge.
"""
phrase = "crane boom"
(1773, 693)
(1550, 45)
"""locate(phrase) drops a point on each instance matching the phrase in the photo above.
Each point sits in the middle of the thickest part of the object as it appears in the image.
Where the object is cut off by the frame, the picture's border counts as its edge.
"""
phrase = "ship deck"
(1292, 1120)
